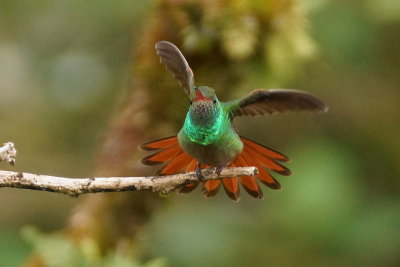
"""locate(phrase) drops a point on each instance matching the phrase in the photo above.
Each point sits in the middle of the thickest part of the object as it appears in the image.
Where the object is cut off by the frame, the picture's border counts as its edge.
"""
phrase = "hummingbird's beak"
(200, 96)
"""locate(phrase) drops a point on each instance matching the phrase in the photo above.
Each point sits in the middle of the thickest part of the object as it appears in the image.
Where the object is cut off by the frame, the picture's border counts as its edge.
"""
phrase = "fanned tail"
(253, 154)
(169, 152)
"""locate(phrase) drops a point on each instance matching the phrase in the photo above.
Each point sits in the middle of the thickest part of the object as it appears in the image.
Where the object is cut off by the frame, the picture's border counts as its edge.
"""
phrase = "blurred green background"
(65, 65)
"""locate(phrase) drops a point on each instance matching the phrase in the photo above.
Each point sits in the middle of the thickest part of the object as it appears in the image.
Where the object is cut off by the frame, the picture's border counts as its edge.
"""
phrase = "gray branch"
(8, 153)
(78, 186)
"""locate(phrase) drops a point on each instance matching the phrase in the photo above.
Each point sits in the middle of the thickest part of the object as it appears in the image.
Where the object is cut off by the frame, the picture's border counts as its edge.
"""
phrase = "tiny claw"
(219, 169)
(199, 175)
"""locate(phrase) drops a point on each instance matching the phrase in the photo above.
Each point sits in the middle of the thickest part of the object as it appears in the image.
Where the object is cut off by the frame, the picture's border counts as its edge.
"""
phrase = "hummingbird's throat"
(204, 123)
(203, 112)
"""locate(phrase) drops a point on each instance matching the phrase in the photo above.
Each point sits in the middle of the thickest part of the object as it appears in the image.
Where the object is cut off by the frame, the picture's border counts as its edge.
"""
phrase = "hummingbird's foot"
(199, 175)
(219, 169)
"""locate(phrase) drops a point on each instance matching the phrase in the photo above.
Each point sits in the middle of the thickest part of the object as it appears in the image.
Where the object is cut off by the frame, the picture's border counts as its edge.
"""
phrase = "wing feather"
(176, 63)
(261, 101)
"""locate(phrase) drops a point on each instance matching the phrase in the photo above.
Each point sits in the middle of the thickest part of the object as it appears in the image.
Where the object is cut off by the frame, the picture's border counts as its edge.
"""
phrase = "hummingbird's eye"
(190, 101)
(215, 101)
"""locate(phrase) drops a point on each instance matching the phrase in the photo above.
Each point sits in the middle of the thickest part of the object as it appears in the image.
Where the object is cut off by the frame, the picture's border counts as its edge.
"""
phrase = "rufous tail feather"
(249, 182)
(189, 187)
(210, 187)
(231, 186)
(169, 152)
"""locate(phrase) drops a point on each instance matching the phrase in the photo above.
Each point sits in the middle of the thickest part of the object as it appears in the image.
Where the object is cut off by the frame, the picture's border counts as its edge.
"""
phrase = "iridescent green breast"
(205, 124)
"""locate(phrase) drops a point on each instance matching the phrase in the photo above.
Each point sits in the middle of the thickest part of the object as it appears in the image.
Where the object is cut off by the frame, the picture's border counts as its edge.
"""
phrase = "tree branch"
(8, 153)
(78, 186)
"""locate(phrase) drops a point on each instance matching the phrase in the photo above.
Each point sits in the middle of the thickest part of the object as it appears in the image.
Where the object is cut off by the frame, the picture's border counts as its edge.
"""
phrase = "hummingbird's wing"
(176, 63)
(261, 101)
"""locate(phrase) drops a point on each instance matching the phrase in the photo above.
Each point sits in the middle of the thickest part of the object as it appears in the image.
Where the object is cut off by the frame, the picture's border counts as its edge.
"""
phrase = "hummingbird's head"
(204, 105)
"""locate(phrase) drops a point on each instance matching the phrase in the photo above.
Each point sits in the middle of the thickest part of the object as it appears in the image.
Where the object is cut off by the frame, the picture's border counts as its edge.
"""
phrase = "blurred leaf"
(57, 250)
(13, 250)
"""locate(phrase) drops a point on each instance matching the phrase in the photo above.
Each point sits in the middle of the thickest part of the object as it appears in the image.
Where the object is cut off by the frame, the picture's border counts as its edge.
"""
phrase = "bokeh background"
(66, 68)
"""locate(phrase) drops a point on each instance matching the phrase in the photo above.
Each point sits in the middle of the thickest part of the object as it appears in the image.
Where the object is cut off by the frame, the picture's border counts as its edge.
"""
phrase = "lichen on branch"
(8, 153)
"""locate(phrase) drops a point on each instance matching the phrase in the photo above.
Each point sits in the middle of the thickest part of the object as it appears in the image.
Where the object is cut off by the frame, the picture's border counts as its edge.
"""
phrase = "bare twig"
(8, 152)
(77, 186)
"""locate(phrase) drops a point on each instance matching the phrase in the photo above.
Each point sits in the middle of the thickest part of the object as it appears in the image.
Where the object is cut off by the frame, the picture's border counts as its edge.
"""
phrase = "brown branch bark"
(78, 186)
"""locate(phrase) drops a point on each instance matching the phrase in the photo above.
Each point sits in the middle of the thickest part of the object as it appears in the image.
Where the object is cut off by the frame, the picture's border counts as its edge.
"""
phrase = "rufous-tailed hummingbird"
(207, 138)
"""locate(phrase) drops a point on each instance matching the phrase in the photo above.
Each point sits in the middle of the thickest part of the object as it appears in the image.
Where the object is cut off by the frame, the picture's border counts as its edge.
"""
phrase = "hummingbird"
(208, 139)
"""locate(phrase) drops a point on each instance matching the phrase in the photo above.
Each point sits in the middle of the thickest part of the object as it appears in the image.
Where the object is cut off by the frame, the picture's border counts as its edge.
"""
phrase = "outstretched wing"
(176, 63)
(260, 102)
